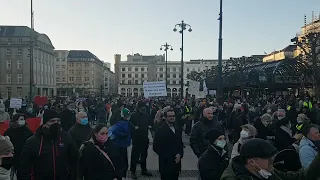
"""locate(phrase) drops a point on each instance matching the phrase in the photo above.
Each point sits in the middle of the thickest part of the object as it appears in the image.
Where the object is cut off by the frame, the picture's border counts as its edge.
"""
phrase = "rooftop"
(81, 54)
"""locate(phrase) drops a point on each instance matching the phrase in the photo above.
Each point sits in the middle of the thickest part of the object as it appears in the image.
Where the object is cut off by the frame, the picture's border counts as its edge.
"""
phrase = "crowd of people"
(274, 138)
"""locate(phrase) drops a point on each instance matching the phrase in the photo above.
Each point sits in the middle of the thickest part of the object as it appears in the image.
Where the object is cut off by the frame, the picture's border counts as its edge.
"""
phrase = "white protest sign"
(153, 89)
(194, 87)
(15, 103)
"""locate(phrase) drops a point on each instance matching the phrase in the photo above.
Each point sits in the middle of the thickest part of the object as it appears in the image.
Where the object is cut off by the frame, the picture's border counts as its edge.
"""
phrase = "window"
(174, 75)
(78, 78)
(161, 75)
(8, 78)
(58, 66)
(129, 82)
(19, 64)
(142, 75)
(71, 78)
(20, 41)
(10, 41)
(19, 52)
(122, 82)
(63, 66)
(8, 52)
(174, 82)
(136, 82)
(136, 75)
(57, 79)
(19, 91)
(63, 79)
(123, 75)
(129, 69)
(123, 69)
(187, 69)
(8, 64)
(86, 78)
(174, 69)
(129, 76)
(86, 64)
(161, 69)
(86, 71)
(136, 69)
(142, 69)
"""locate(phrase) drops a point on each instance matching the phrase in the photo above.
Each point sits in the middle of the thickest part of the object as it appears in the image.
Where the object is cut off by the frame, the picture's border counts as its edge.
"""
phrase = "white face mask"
(263, 173)
(221, 143)
(244, 134)
(21, 122)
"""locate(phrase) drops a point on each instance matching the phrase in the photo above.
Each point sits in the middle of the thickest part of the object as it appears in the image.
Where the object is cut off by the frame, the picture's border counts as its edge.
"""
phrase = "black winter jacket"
(198, 142)
(47, 159)
(80, 133)
(212, 163)
(93, 165)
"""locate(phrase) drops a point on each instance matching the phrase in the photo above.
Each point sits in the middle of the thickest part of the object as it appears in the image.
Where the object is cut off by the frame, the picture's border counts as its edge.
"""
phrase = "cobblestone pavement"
(189, 163)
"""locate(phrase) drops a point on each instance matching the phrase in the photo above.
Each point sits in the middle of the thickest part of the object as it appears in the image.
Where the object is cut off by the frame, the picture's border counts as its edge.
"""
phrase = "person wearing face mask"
(198, 142)
(50, 154)
(68, 116)
(262, 126)
(6, 159)
(248, 132)
(29, 112)
(215, 159)
(255, 162)
(99, 158)
(18, 133)
(168, 145)
(81, 130)
(4, 116)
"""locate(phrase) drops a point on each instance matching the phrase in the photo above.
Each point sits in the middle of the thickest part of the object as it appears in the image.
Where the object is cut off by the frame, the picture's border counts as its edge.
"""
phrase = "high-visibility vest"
(299, 127)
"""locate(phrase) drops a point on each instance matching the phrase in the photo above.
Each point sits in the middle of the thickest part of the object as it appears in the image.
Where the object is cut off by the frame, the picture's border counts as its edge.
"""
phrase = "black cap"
(257, 148)
(48, 115)
(213, 135)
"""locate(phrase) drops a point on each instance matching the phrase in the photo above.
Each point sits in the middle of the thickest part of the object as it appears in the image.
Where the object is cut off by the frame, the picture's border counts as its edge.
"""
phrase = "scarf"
(5, 174)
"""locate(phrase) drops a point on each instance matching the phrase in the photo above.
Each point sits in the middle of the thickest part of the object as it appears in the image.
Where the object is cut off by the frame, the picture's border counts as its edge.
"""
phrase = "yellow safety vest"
(299, 127)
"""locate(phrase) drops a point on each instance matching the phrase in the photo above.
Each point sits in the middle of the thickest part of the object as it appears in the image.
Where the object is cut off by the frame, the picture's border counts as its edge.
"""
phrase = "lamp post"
(166, 47)
(31, 52)
(219, 80)
(183, 26)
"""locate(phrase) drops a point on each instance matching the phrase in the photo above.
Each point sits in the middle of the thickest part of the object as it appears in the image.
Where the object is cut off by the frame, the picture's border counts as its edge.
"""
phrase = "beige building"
(15, 62)
(288, 52)
(84, 74)
(109, 80)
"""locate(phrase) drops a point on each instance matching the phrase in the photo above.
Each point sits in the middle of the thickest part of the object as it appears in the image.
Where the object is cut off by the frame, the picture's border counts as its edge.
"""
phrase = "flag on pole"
(205, 89)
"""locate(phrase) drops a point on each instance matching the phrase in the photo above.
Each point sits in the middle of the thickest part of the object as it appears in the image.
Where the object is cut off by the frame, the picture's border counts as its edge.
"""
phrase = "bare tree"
(308, 43)
(238, 67)
(205, 74)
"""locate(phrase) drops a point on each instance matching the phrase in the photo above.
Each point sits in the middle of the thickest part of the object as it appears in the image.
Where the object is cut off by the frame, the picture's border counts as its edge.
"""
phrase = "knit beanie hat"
(125, 112)
(213, 135)
(5, 145)
(48, 115)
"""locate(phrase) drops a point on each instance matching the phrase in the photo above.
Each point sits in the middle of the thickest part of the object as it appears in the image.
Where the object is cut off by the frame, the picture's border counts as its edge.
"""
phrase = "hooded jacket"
(45, 159)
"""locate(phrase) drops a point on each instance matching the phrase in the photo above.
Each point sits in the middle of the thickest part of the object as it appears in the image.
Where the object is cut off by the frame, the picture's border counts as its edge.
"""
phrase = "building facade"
(15, 75)
(109, 81)
(138, 68)
(61, 70)
(84, 74)
(288, 52)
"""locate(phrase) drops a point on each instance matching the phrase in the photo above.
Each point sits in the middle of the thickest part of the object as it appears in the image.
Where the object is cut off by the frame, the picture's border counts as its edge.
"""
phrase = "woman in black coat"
(99, 158)
(214, 160)
(18, 133)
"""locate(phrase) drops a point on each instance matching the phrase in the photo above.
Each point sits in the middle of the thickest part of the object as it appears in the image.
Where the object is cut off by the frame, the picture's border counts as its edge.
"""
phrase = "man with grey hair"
(198, 142)
(81, 130)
